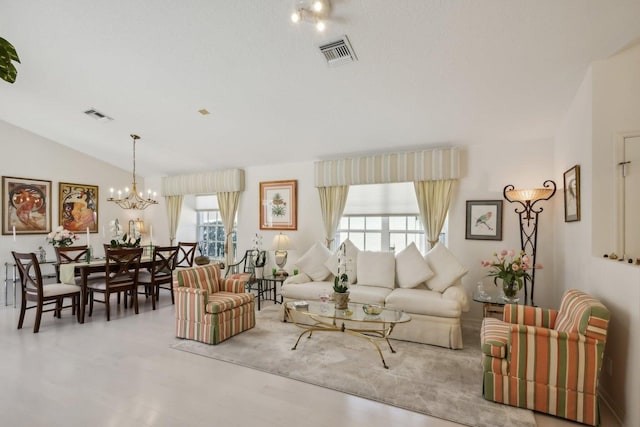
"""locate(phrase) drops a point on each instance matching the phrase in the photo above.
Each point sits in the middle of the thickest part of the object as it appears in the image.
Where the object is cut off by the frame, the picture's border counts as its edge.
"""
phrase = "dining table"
(70, 271)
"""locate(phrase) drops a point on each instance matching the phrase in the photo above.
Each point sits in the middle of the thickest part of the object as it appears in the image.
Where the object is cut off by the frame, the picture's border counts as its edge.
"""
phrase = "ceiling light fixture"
(133, 199)
(313, 11)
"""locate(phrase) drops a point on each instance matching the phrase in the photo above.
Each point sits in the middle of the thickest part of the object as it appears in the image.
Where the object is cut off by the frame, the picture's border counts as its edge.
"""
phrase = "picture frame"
(26, 206)
(484, 220)
(572, 194)
(78, 207)
(279, 205)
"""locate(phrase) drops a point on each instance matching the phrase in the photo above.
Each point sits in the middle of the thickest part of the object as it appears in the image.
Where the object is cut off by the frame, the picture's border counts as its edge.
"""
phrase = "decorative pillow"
(411, 268)
(446, 267)
(312, 262)
(376, 269)
(352, 257)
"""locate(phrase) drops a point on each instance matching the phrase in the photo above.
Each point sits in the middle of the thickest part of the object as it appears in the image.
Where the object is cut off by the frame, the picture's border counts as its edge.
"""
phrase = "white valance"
(426, 165)
(203, 183)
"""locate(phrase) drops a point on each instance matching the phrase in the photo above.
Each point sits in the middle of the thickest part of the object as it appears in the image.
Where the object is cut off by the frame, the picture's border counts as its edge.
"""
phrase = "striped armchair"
(209, 308)
(547, 360)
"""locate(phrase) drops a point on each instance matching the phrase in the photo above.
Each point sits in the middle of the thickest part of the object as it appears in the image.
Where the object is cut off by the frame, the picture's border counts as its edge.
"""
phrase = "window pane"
(397, 241)
(374, 223)
(344, 223)
(356, 223)
(397, 223)
(414, 223)
(374, 242)
(357, 239)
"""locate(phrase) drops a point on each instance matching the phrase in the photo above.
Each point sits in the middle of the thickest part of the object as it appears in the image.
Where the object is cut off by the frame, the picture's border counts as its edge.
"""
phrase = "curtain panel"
(332, 203)
(174, 207)
(228, 203)
(434, 198)
(203, 183)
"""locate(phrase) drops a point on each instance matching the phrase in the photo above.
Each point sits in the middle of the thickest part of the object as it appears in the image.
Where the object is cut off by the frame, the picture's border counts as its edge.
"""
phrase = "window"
(210, 231)
(384, 232)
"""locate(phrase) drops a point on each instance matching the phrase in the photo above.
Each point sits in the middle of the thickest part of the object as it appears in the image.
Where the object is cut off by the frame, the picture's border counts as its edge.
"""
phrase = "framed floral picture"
(572, 194)
(26, 206)
(484, 220)
(278, 205)
(78, 207)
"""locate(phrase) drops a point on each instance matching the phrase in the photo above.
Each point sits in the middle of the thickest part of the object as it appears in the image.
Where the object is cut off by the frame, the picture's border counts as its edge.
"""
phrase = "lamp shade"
(529, 195)
(280, 242)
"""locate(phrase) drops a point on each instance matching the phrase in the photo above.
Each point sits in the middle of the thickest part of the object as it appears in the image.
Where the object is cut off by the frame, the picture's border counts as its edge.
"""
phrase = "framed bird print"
(484, 220)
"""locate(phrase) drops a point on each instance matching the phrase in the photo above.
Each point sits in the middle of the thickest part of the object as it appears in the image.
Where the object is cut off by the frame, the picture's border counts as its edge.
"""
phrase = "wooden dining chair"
(186, 254)
(68, 255)
(160, 275)
(34, 290)
(121, 275)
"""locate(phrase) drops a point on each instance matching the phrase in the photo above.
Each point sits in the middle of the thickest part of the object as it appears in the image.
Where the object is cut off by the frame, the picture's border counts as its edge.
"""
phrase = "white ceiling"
(430, 72)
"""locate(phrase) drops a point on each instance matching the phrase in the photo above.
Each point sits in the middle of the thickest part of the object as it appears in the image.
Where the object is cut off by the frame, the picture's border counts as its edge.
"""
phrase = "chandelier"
(133, 199)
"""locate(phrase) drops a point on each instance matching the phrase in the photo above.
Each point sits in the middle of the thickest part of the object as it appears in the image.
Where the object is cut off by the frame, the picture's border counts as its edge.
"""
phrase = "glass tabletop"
(355, 312)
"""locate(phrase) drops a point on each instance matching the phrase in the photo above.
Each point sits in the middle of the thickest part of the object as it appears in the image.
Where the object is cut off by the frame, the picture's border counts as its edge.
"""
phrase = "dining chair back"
(34, 290)
(186, 254)
(121, 275)
(69, 254)
(160, 275)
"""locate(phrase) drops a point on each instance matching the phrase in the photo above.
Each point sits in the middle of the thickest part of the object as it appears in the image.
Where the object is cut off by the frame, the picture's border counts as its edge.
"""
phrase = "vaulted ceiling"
(429, 72)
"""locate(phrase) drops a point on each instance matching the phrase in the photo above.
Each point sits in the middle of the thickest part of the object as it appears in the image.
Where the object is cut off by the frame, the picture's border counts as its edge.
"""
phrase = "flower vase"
(341, 300)
(510, 289)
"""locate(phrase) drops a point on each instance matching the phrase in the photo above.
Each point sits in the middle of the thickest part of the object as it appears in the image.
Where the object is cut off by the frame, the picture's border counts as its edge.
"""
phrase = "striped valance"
(427, 165)
(203, 183)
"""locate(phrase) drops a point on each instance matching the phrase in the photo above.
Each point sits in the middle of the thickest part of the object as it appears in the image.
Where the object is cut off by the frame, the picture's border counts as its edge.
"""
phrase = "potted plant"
(341, 281)
(8, 71)
(512, 268)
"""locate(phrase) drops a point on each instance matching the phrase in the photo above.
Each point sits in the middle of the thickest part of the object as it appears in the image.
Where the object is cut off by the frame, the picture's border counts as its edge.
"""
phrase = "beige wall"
(607, 103)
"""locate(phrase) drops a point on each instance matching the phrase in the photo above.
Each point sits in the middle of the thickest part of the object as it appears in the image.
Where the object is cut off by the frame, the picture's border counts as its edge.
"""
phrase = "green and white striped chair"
(547, 360)
(211, 309)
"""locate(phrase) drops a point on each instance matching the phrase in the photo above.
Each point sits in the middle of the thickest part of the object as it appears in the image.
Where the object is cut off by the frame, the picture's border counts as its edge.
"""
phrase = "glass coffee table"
(311, 316)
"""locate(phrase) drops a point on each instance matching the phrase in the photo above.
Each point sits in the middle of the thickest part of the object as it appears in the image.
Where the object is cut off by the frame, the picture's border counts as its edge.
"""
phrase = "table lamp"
(280, 246)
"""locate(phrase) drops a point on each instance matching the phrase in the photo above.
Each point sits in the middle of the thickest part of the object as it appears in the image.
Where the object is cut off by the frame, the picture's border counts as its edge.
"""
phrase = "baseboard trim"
(606, 399)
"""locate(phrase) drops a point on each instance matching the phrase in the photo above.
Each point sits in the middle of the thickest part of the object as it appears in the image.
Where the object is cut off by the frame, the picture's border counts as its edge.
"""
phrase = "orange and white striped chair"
(547, 360)
(211, 309)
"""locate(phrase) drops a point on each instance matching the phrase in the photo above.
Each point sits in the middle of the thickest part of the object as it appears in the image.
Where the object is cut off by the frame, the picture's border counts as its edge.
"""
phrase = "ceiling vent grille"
(97, 115)
(338, 52)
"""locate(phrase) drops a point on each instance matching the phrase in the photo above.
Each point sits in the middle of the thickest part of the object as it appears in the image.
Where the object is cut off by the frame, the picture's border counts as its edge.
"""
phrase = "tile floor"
(123, 373)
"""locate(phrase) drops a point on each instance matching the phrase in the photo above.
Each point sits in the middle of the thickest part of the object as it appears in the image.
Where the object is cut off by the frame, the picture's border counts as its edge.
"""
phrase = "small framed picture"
(572, 194)
(278, 205)
(484, 220)
(26, 206)
(78, 207)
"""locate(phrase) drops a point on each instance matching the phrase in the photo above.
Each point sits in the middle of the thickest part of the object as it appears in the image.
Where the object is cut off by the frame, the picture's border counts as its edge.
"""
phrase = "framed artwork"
(26, 206)
(484, 220)
(572, 194)
(78, 207)
(278, 205)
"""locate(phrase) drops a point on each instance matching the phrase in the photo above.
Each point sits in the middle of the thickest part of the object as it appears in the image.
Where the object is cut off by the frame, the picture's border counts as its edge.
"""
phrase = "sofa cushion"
(351, 262)
(223, 301)
(421, 301)
(306, 291)
(411, 268)
(312, 262)
(376, 269)
(368, 294)
(446, 267)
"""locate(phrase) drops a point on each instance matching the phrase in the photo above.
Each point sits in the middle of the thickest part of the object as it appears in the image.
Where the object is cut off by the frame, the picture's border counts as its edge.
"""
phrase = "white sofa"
(428, 288)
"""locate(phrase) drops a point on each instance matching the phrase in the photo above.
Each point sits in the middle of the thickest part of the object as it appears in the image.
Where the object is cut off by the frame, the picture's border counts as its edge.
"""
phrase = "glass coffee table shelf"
(315, 316)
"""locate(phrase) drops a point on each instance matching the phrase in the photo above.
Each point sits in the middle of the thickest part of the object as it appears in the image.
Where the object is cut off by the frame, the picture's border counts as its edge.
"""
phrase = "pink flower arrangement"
(510, 267)
(61, 237)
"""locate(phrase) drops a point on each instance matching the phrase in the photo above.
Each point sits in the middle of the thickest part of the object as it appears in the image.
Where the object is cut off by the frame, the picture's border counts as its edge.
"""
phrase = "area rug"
(431, 380)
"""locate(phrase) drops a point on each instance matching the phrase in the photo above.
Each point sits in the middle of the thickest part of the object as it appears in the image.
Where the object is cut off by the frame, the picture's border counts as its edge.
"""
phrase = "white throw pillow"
(312, 262)
(352, 259)
(446, 267)
(376, 269)
(411, 268)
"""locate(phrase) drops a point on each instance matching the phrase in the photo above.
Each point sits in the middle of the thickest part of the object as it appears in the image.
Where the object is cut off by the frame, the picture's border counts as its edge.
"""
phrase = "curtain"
(228, 203)
(174, 206)
(332, 202)
(434, 198)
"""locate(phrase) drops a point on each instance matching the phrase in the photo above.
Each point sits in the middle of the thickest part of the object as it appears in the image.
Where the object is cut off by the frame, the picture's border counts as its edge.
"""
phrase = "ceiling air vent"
(338, 52)
(97, 115)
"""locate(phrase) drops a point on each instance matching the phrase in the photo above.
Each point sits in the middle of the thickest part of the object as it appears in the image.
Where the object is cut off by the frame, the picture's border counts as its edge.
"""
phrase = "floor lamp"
(527, 199)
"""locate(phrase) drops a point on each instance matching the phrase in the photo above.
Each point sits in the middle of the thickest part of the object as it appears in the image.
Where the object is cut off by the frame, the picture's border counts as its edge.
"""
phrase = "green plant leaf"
(8, 71)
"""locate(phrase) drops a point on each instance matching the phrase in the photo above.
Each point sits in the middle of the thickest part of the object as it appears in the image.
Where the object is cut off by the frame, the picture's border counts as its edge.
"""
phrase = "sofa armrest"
(236, 285)
(190, 302)
(297, 279)
(571, 360)
(457, 293)
(528, 315)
